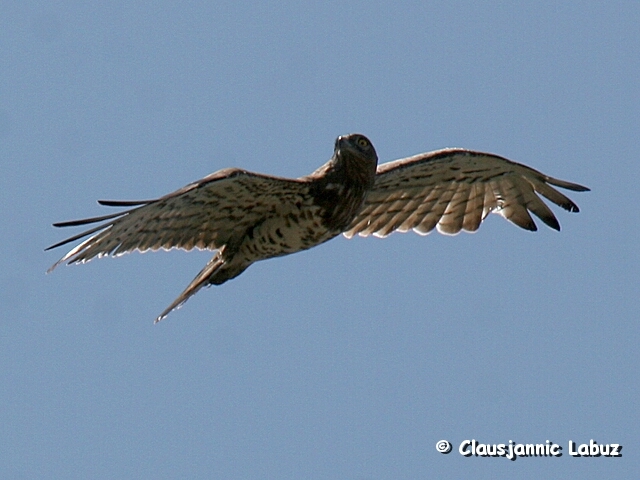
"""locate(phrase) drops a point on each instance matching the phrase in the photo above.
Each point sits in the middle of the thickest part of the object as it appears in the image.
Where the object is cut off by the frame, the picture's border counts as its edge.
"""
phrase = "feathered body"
(246, 217)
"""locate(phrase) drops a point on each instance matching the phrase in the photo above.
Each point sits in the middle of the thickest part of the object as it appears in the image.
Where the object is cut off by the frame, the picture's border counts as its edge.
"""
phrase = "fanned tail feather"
(196, 284)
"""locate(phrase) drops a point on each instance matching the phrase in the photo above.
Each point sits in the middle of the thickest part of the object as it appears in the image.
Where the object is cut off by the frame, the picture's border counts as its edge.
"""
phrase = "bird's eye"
(362, 142)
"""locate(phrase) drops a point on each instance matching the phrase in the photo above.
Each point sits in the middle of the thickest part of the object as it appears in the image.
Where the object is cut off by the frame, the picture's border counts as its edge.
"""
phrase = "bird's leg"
(196, 284)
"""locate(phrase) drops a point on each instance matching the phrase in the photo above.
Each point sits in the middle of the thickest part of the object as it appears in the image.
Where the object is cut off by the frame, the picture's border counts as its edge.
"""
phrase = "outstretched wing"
(455, 189)
(206, 214)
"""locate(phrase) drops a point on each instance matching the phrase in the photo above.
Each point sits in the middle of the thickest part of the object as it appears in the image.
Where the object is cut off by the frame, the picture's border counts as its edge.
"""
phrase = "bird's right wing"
(206, 214)
(454, 190)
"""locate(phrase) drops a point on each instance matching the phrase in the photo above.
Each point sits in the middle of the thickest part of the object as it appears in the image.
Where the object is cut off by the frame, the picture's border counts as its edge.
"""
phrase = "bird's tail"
(196, 284)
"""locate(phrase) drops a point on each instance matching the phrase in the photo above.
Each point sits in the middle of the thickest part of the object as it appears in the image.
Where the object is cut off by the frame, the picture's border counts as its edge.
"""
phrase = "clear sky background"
(353, 359)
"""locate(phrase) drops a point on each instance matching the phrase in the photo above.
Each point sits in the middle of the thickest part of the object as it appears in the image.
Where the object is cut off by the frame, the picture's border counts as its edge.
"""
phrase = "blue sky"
(353, 359)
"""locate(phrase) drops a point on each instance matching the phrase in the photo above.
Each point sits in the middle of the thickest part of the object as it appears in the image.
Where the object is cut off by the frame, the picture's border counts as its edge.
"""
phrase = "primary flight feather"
(246, 217)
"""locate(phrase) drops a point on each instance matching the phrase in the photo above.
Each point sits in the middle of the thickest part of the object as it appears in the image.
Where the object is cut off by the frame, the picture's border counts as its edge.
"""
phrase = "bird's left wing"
(455, 189)
(206, 214)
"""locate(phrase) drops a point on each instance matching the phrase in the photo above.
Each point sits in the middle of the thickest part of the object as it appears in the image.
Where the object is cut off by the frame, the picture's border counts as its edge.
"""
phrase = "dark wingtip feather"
(570, 207)
(124, 203)
(551, 222)
(575, 187)
(59, 244)
(85, 221)
(568, 185)
(76, 237)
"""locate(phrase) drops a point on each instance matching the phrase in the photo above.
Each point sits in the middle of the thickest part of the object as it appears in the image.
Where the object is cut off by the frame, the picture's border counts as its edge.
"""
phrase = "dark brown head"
(340, 186)
(354, 154)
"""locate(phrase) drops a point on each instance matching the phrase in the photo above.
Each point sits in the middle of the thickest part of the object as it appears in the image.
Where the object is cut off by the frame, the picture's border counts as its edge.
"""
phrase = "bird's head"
(355, 153)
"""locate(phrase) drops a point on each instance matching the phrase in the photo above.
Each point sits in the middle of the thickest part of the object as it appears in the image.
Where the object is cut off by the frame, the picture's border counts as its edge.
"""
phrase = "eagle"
(245, 217)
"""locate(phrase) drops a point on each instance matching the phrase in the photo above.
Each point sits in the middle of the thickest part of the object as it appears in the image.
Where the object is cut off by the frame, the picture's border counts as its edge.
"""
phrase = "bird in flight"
(246, 217)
